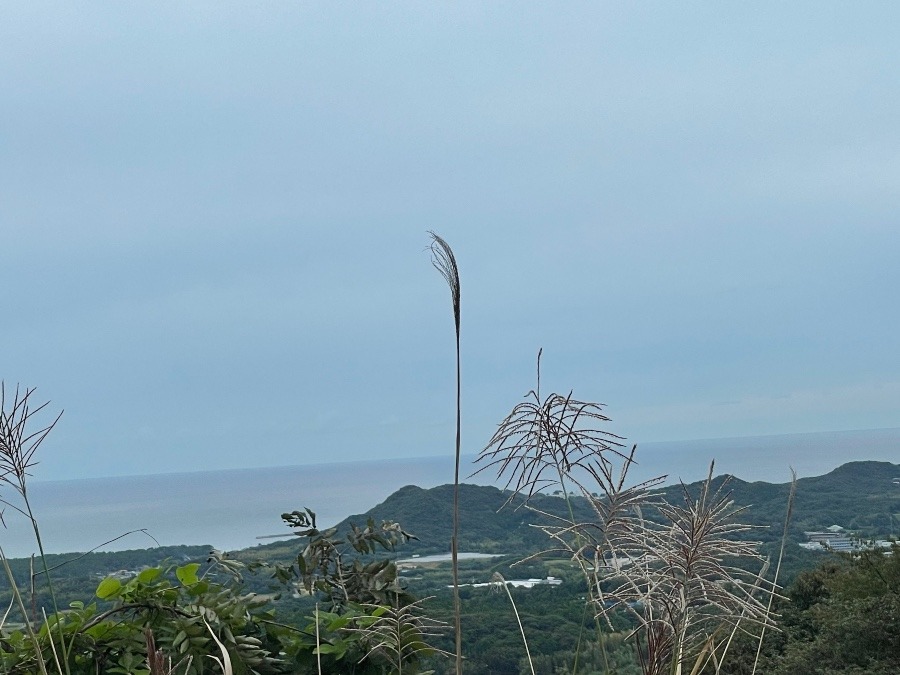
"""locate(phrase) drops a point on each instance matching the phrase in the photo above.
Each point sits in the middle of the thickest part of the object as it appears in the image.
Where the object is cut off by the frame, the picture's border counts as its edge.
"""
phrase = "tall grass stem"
(498, 578)
(28, 627)
(784, 536)
(445, 262)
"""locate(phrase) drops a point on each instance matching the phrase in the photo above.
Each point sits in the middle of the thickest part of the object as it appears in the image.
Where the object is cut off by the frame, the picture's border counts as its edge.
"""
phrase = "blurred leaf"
(187, 574)
(108, 588)
(149, 574)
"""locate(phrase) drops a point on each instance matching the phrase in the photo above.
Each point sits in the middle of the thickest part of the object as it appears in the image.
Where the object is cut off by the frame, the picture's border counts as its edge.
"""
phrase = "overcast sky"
(213, 222)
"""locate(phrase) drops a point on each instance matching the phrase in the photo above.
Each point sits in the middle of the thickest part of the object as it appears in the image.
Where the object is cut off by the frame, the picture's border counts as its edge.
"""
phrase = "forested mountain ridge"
(859, 496)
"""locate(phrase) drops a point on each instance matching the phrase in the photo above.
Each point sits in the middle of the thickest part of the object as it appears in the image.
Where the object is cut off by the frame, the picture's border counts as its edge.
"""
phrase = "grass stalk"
(225, 661)
(318, 643)
(53, 646)
(498, 578)
(28, 627)
(18, 446)
(48, 580)
(784, 536)
(445, 262)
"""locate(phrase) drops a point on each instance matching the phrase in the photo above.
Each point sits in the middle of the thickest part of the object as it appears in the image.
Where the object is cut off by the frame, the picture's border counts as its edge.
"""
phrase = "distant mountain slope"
(858, 496)
(484, 525)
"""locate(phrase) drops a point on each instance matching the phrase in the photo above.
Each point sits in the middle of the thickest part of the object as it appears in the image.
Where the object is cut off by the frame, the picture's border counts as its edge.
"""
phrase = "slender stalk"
(457, 608)
(12, 602)
(445, 262)
(784, 536)
(500, 580)
(225, 661)
(318, 643)
(17, 450)
(43, 556)
(578, 644)
(37, 537)
(38, 654)
(719, 661)
(53, 646)
(87, 553)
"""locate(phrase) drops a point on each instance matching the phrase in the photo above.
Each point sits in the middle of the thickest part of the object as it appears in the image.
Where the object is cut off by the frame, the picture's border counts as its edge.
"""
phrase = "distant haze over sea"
(230, 509)
(767, 458)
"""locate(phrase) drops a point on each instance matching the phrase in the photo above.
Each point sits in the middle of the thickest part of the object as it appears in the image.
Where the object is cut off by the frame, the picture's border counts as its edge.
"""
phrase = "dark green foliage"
(842, 617)
(370, 622)
(75, 576)
(182, 608)
(342, 569)
(553, 619)
(180, 613)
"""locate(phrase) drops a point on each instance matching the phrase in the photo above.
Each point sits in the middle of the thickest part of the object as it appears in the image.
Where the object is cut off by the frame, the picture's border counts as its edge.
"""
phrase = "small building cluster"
(836, 538)
(519, 583)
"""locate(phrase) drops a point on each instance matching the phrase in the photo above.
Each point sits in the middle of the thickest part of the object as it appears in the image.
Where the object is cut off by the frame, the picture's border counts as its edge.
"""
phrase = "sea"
(240, 508)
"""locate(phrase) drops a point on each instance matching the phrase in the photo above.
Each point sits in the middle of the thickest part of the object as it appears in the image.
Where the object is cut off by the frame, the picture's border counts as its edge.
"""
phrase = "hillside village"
(838, 540)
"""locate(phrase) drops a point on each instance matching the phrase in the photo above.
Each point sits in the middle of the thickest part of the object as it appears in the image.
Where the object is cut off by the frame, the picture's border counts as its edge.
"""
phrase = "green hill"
(486, 525)
(859, 496)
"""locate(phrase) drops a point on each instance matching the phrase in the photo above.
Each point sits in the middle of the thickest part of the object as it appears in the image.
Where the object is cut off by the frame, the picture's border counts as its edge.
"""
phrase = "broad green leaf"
(187, 574)
(338, 623)
(330, 649)
(149, 574)
(199, 588)
(108, 588)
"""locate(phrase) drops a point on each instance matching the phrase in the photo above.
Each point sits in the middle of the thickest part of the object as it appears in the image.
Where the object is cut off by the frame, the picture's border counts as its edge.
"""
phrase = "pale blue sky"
(213, 222)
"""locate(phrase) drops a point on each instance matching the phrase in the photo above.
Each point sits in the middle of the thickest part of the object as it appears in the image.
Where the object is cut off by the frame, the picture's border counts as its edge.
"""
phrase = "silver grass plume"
(445, 262)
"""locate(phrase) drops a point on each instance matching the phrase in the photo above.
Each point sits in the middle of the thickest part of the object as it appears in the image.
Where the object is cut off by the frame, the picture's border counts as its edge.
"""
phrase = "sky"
(214, 222)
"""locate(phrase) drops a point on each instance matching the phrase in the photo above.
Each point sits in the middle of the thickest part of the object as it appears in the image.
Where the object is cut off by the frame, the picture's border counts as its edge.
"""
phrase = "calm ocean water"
(230, 509)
